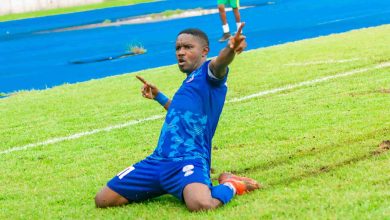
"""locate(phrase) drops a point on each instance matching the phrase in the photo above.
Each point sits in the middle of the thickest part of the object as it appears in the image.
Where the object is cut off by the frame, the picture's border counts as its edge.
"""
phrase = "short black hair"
(196, 32)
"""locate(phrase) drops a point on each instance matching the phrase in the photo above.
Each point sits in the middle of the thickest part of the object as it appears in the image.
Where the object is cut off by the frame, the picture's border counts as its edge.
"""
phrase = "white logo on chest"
(188, 170)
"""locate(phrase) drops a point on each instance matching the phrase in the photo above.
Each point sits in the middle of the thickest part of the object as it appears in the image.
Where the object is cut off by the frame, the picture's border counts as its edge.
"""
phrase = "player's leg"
(136, 183)
(235, 5)
(197, 197)
(107, 198)
(200, 196)
(237, 15)
(225, 26)
(190, 182)
(222, 13)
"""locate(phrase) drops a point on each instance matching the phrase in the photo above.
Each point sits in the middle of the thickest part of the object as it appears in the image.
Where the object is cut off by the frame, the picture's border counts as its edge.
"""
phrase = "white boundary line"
(322, 62)
(155, 117)
(310, 82)
(82, 134)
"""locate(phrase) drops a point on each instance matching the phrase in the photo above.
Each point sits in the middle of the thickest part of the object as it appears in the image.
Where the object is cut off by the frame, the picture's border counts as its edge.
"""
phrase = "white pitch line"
(321, 62)
(155, 117)
(310, 82)
(82, 134)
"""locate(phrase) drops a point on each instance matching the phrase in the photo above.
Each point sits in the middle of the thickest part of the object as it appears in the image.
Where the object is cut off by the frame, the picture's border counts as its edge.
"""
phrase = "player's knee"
(200, 205)
(100, 202)
(107, 198)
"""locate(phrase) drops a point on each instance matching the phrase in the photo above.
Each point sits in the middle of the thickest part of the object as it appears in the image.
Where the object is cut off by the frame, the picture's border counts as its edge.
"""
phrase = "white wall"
(19, 6)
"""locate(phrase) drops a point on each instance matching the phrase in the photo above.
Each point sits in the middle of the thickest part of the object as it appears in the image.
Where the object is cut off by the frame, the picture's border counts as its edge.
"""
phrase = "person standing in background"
(235, 4)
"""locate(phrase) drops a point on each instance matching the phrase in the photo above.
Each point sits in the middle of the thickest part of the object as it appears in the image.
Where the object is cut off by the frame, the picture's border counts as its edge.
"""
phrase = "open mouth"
(181, 62)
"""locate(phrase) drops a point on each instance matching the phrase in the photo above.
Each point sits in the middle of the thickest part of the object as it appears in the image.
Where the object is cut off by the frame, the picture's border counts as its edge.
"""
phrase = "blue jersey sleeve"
(214, 80)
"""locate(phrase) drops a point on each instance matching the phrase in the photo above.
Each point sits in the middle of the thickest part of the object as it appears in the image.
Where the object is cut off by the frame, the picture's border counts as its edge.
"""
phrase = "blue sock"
(222, 192)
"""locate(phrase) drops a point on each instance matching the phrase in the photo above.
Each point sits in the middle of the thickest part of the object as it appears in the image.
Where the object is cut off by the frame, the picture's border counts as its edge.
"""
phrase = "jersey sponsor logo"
(188, 170)
(125, 172)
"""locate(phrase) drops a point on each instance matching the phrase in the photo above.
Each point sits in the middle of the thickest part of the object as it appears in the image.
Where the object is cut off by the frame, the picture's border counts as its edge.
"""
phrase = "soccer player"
(235, 4)
(180, 164)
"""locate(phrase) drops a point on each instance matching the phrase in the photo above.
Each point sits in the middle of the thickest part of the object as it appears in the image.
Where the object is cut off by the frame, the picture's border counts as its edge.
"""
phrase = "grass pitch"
(313, 148)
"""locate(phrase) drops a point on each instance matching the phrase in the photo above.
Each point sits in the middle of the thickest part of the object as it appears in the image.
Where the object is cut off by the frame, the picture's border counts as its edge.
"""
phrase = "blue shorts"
(150, 178)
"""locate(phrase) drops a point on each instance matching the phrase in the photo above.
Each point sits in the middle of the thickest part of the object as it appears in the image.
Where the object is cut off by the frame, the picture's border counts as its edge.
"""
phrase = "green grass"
(169, 13)
(310, 147)
(104, 4)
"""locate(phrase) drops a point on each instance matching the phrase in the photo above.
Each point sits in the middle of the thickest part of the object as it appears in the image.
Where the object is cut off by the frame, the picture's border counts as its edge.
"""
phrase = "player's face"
(190, 52)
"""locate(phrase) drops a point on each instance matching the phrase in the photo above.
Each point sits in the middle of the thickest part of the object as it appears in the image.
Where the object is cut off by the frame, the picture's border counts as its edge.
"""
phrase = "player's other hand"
(238, 43)
(148, 90)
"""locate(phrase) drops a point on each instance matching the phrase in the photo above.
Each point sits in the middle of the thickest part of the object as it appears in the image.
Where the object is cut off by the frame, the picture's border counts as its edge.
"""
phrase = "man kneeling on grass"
(180, 165)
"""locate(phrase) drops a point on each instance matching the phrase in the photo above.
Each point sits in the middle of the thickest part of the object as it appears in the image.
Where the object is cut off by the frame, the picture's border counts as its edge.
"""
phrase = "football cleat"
(241, 184)
(225, 37)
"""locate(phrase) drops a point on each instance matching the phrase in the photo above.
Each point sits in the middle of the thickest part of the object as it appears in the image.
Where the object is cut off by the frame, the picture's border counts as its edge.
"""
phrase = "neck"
(197, 66)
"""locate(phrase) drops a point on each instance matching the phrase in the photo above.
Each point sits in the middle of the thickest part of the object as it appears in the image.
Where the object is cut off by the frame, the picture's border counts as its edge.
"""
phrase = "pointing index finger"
(141, 79)
(238, 33)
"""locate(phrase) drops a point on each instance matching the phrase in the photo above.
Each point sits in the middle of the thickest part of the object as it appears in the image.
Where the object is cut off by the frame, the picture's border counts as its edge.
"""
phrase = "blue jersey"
(192, 117)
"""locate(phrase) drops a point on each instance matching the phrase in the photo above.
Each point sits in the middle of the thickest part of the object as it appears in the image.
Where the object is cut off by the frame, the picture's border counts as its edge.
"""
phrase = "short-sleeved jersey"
(192, 117)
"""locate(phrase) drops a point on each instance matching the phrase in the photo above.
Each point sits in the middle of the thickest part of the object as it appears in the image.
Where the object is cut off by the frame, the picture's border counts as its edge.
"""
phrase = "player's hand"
(148, 90)
(238, 43)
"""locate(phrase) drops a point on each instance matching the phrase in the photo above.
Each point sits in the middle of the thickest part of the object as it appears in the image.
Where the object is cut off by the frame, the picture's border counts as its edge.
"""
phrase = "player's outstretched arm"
(235, 45)
(150, 91)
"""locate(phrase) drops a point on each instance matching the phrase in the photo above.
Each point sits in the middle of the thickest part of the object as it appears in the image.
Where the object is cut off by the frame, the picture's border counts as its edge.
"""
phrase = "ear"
(205, 51)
